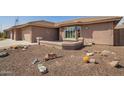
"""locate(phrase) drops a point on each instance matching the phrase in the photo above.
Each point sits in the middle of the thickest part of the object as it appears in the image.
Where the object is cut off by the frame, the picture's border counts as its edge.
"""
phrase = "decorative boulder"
(46, 58)
(25, 47)
(92, 60)
(50, 56)
(20, 46)
(35, 61)
(14, 47)
(42, 69)
(105, 53)
(114, 63)
(90, 54)
(4, 54)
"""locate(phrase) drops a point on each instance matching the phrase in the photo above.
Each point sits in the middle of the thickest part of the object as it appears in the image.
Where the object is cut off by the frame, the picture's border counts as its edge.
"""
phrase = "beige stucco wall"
(11, 34)
(61, 34)
(121, 37)
(50, 34)
(27, 34)
(30, 33)
(15, 34)
(101, 33)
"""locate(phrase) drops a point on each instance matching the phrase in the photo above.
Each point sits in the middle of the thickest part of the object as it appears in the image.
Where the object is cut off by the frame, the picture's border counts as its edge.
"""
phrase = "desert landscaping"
(25, 61)
(92, 46)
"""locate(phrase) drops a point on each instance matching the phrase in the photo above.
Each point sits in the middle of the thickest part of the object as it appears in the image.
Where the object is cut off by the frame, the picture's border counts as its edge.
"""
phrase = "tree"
(0, 34)
(3, 35)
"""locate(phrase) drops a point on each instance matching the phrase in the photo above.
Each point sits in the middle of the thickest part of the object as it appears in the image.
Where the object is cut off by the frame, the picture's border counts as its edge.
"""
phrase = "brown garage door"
(26, 35)
(103, 37)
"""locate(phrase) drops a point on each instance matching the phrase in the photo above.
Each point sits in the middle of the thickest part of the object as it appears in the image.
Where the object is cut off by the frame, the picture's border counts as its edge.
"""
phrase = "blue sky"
(8, 21)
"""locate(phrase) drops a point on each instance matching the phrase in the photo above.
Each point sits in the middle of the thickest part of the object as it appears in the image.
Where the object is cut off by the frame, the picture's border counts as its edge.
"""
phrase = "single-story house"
(97, 30)
(119, 31)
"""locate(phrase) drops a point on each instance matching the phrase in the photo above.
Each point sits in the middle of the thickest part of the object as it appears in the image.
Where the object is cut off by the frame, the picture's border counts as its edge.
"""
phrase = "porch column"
(76, 37)
(14, 32)
(11, 34)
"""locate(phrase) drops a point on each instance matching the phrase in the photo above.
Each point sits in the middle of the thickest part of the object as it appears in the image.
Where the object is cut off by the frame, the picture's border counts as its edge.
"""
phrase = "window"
(78, 28)
(70, 32)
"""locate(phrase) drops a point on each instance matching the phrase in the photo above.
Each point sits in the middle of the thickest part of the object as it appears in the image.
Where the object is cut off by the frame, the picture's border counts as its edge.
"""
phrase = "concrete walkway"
(8, 42)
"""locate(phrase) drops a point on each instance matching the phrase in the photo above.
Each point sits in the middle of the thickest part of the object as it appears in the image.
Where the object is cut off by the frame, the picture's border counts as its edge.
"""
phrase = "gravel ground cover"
(69, 62)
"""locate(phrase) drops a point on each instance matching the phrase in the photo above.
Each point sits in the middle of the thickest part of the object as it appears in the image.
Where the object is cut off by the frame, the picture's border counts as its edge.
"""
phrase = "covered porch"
(69, 38)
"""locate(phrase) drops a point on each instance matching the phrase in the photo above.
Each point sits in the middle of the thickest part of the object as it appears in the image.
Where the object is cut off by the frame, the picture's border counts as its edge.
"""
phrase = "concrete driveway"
(8, 42)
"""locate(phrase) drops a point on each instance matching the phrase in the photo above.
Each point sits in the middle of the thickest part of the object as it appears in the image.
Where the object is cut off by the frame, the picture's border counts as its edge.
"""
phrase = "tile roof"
(90, 20)
(48, 24)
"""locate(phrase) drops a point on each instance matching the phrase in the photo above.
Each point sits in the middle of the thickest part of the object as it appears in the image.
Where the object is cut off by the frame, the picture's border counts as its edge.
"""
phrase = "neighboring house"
(97, 30)
(119, 31)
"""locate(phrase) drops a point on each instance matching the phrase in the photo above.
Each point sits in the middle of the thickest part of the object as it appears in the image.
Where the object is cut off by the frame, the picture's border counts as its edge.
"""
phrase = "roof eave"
(86, 23)
(79, 22)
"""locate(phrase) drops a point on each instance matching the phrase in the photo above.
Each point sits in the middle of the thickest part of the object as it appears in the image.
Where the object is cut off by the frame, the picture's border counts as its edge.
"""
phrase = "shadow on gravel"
(119, 66)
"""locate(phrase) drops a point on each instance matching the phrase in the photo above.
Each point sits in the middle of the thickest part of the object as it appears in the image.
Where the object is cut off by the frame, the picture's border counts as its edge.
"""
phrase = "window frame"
(70, 33)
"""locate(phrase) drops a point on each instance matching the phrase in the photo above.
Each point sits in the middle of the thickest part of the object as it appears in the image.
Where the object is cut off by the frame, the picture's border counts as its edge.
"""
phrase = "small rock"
(14, 47)
(113, 53)
(116, 58)
(50, 56)
(25, 47)
(4, 54)
(42, 69)
(35, 61)
(72, 56)
(46, 58)
(97, 52)
(90, 54)
(92, 60)
(20, 46)
(89, 43)
(114, 63)
(5, 49)
(105, 53)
